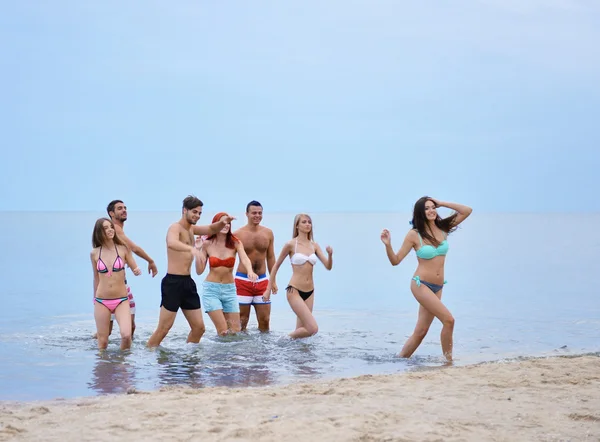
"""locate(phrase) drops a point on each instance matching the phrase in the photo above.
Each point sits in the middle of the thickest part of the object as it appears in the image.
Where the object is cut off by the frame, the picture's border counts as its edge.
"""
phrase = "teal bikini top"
(429, 252)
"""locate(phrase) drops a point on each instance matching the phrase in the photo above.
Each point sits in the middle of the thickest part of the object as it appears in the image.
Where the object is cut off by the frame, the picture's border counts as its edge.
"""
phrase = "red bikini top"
(217, 262)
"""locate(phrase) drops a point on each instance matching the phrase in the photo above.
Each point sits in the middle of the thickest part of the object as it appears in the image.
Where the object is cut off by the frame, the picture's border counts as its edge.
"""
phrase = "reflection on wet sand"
(112, 373)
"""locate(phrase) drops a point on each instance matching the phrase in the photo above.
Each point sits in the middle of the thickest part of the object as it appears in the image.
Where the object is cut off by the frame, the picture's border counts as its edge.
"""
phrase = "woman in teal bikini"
(428, 238)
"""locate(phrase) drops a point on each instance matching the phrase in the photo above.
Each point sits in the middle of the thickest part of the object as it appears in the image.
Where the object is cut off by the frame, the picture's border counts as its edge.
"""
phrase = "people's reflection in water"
(111, 373)
(214, 366)
(179, 368)
(302, 359)
(232, 374)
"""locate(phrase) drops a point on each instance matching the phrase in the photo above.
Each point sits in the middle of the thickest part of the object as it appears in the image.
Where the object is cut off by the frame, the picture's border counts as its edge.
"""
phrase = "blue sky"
(312, 106)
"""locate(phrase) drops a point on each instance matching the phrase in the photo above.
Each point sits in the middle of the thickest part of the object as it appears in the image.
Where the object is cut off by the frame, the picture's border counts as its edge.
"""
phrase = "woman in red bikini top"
(109, 257)
(219, 296)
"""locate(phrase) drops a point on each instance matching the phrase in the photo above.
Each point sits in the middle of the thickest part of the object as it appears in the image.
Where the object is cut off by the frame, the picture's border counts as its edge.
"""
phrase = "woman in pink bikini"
(303, 253)
(428, 238)
(109, 257)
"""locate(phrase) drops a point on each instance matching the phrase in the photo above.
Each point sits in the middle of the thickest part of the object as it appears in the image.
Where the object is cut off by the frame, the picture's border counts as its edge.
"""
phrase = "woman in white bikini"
(303, 253)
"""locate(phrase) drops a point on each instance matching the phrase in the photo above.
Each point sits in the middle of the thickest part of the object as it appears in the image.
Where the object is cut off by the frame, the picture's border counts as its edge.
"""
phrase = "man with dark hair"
(258, 244)
(178, 289)
(117, 211)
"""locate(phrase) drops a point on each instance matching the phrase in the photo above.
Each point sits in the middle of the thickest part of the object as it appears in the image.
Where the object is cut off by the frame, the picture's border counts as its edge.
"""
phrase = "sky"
(305, 106)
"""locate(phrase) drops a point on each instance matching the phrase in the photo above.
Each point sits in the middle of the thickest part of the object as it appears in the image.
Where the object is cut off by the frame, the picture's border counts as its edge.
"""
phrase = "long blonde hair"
(297, 221)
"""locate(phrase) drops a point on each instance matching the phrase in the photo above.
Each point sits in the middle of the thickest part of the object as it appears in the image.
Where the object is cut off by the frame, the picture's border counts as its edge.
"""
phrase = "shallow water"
(513, 295)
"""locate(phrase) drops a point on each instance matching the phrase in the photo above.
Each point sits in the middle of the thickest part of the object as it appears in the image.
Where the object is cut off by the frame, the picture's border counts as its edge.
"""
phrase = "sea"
(520, 285)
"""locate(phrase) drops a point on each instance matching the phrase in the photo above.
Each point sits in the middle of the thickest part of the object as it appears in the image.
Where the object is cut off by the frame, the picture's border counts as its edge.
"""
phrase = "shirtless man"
(178, 289)
(117, 211)
(258, 244)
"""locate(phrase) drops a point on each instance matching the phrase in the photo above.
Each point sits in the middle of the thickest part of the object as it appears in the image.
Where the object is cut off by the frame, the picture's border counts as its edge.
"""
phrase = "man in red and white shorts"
(258, 244)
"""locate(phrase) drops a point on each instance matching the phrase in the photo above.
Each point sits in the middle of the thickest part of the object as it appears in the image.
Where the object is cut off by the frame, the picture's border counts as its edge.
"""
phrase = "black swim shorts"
(179, 291)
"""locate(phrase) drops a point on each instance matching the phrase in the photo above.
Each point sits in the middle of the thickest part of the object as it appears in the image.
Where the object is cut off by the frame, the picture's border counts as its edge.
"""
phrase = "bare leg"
(309, 303)
(132, 307)
(102, 317)
(110, 327)
(306, 325)
(263, 316)
(123, 317)
(197, 328)
(218, 319)
(298, 323)
(132, 324)
(244, 315)
(433, 304)
(166, 319)
(233, 322)
(421, 329)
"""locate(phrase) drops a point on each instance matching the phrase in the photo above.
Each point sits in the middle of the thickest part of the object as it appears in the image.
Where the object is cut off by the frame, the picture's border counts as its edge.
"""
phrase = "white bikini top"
(298, 259)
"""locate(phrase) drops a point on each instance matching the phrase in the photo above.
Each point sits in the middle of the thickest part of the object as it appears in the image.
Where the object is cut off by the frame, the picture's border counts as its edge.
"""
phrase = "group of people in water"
(227, 298)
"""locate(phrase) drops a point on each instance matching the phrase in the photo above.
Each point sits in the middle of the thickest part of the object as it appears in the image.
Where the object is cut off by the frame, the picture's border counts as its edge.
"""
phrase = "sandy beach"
(542, 399)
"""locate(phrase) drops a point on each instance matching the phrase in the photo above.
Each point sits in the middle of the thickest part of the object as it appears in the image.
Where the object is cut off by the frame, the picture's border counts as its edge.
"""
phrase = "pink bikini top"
(117, 266)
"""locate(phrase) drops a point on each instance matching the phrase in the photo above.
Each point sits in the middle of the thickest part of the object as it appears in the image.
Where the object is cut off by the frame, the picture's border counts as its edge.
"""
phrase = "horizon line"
(317, 211)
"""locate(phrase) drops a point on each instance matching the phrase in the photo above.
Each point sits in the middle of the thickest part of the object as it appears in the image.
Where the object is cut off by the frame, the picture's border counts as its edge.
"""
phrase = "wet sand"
(541, 399)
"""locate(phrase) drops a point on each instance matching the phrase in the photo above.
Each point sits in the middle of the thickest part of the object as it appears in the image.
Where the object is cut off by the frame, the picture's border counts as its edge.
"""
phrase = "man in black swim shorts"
(178, 289)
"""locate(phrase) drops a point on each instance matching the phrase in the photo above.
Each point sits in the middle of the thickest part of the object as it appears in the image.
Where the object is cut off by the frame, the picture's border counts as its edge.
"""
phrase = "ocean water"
(519, 285)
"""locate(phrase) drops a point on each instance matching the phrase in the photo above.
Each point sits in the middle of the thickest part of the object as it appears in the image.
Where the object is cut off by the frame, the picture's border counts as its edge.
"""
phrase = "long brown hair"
(99, 236)
(297, 221)
(419, 221)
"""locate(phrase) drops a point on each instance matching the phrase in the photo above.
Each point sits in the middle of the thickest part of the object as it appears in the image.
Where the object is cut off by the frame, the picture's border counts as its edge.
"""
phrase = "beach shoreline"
(554, 398)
